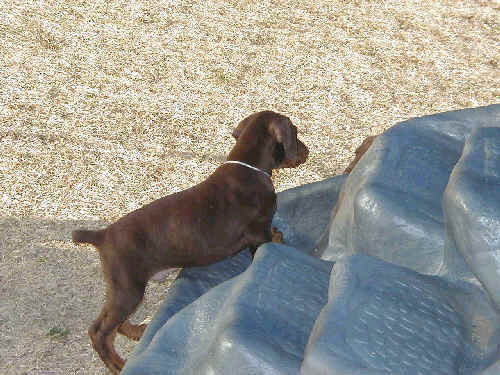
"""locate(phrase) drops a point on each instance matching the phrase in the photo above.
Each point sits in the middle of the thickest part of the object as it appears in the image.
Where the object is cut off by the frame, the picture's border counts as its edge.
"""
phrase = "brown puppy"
(228, 212)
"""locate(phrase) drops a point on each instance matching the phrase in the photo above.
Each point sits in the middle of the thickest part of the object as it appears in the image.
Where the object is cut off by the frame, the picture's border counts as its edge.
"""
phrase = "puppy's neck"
(255, 151)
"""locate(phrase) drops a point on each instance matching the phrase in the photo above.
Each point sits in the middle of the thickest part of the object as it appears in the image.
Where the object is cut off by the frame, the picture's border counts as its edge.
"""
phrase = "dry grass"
(105, 106)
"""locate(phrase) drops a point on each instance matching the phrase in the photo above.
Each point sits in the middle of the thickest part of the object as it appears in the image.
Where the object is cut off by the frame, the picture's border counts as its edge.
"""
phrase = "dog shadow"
(52, 291)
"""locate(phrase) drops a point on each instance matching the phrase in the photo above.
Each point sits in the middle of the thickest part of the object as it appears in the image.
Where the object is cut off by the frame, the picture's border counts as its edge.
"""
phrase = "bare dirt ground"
(107, 105)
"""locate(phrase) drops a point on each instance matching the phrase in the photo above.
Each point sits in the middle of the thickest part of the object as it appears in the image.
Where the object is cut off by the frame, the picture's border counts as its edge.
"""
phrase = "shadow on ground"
(52, 291)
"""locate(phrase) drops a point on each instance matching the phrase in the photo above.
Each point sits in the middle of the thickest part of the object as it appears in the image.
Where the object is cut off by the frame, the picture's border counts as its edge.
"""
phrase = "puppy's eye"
(279, 153)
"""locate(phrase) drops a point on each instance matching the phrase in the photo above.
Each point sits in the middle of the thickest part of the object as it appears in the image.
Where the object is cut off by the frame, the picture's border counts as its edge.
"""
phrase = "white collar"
(247, 165)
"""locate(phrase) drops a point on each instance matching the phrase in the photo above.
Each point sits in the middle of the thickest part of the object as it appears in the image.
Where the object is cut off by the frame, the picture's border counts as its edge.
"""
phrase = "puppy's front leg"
(270, 235)
(276, 235)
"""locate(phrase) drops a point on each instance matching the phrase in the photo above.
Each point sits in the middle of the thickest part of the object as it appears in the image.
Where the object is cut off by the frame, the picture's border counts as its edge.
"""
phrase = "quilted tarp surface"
(394, 269)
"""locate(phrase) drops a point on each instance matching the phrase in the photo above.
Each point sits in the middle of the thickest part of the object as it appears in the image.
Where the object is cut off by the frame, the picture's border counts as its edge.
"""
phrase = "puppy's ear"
(242, 125)
(285, 133)
(237, 130)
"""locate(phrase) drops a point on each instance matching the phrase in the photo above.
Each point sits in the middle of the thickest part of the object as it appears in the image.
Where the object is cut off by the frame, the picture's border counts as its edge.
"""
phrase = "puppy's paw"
(276, 236)
(133, 331)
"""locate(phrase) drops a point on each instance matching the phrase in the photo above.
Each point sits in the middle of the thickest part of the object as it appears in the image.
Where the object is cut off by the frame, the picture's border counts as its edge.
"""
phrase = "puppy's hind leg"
(120, 304)
(132, 331)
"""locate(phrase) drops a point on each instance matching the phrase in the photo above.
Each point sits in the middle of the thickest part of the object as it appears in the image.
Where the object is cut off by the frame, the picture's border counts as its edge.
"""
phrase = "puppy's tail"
(94, 237)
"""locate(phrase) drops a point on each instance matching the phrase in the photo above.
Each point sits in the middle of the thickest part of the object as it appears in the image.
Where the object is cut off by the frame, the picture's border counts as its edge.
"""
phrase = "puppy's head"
(288, 151)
